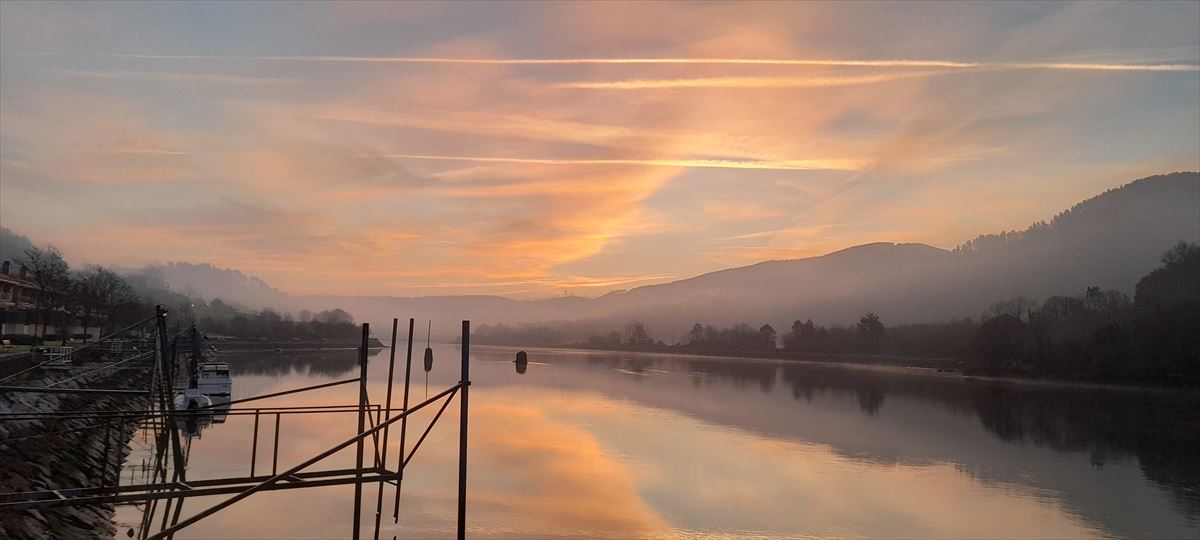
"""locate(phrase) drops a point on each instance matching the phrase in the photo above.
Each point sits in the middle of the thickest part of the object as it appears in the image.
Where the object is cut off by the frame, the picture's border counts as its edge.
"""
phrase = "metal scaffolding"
(167, 479)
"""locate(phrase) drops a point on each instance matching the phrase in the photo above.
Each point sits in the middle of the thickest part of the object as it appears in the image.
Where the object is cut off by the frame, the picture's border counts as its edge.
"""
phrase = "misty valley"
(635, 270)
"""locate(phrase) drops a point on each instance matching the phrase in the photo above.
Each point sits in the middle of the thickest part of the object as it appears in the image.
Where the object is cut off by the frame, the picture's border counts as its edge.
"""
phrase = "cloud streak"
(464, 157)
(778, 165)
(174, 77)
(741, 82)
(829, 62)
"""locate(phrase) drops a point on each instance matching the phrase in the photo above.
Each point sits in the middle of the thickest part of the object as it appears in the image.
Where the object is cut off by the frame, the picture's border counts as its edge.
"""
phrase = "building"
(17, 293)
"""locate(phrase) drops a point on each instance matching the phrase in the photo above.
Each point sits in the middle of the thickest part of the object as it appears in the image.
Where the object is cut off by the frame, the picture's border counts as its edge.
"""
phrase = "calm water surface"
(627, 445)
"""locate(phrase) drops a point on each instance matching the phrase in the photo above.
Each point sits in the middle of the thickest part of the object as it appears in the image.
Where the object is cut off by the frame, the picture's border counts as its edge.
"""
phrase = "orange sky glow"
(531, 150)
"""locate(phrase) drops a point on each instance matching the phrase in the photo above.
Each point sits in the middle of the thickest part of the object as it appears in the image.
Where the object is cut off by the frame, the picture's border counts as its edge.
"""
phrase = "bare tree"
(99, 293)
(51, 275)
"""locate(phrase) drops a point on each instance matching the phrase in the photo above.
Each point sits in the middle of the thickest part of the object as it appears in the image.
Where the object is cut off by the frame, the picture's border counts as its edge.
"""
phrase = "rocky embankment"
(64, 453)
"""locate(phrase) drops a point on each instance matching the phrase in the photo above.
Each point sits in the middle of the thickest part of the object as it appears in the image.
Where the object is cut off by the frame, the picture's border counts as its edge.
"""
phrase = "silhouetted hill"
(12, 245)
(208, 282)
(1110, 240)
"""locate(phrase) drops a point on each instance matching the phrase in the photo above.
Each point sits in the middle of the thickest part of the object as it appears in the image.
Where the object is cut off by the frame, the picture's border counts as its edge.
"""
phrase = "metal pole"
(465, 381)
(195, 359)
(268, 483)
(275, 452)
(403, 422)
(428, 428)
(107, 437)
(362, 400)
(174, 359)
(383, 453)
(120, 458)
(254, 445)
(168, 393)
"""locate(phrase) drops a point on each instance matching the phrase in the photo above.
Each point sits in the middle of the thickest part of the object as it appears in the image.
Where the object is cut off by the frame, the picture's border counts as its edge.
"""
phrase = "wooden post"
(362, 411)
(403, 422)
(254, 445)
(383, 452)
(465, 382)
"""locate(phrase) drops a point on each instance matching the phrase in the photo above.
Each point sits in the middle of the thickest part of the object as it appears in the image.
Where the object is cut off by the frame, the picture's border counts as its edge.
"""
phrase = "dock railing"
(374, 424)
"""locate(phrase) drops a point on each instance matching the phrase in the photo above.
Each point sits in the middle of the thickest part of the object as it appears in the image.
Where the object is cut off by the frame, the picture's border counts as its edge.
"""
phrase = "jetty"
(67, 418)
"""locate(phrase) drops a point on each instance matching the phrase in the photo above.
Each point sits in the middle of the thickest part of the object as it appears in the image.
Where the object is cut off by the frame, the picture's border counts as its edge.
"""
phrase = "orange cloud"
(470, 160)
(742, 82)
(837, 62)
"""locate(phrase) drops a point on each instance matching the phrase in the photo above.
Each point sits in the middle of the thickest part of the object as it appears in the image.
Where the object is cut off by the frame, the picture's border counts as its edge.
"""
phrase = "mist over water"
(951, 249)
(629, 445)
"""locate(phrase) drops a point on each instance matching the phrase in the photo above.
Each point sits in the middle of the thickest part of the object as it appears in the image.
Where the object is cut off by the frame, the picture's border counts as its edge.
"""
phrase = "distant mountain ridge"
(12, 245)
(1110, 240)
(207, 282)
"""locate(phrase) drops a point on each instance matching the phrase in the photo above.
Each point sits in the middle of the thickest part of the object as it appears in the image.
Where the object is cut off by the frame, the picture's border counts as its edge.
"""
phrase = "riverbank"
(64, 453)
(944, 367)
(937, 363)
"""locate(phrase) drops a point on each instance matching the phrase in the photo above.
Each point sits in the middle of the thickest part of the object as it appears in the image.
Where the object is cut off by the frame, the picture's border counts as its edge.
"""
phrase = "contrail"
(1097, 67)
(142, 151)
(742, 82)
(899, 63)
(800, 164)
(567, 61)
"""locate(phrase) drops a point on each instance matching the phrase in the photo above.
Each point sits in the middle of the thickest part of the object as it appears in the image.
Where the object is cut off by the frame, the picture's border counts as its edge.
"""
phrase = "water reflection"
(1160, 429)
(1156, 433)
(633, 445)
(330, 363)
(193, 424)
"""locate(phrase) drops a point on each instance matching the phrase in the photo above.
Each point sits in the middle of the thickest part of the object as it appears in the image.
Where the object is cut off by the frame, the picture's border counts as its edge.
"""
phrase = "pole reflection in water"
(624, 445)
(428, 358)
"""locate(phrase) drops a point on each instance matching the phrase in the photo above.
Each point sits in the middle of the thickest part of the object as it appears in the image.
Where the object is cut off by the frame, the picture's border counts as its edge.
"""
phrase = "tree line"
(220, 318)
(98, 298)
(92, 297)
(1099, 335)
(1105, 335)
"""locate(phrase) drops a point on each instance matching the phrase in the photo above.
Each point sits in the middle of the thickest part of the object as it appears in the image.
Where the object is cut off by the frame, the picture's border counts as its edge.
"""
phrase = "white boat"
(191, 424)
(191, 398)
(212, 378)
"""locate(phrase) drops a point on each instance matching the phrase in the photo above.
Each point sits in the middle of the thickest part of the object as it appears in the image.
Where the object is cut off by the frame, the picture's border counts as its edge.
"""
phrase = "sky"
(540, 149)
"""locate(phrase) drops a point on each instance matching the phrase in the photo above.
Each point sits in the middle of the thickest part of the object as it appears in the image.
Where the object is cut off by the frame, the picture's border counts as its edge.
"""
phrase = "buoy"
(522, 362)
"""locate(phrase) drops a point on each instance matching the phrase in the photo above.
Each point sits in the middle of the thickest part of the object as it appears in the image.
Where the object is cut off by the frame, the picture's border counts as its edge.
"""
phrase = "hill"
(1110, 241)
(207, 282)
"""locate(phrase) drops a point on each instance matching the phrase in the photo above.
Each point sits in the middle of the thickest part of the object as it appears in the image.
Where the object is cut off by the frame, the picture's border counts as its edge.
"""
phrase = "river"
(632, 445)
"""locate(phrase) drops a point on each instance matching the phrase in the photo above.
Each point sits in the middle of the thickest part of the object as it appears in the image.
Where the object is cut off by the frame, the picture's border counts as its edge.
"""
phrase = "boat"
(212, 379)
(192, 398)
(197, 412)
